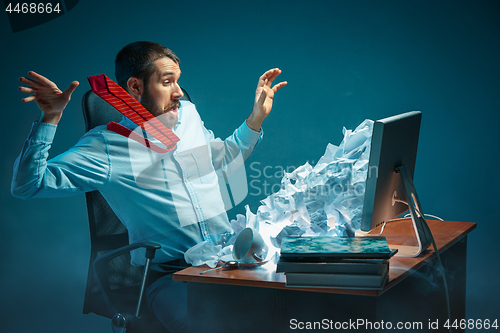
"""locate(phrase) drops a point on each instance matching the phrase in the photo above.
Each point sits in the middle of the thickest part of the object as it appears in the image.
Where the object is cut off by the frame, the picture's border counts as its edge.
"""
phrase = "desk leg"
(420, 298)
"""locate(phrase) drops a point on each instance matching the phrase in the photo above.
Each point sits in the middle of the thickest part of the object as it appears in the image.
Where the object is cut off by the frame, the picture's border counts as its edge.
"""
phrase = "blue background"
(345, 61)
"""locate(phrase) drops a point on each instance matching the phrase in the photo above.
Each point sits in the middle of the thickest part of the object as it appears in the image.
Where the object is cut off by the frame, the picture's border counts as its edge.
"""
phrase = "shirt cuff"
(248, 136)
(42, 132)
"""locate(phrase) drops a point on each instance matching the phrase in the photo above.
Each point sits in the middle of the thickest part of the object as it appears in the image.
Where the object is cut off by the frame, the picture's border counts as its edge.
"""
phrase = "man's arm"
(83, 168)
(264, 98)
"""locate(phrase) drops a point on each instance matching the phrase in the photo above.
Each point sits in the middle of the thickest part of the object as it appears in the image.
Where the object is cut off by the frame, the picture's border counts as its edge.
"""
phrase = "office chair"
(114, 287)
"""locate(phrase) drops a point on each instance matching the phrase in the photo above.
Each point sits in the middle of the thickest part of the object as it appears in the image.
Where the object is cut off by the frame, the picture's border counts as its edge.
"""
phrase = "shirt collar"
(180, 115)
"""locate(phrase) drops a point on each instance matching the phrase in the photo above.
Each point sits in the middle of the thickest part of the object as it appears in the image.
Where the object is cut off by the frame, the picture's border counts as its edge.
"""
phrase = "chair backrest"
(106, 230)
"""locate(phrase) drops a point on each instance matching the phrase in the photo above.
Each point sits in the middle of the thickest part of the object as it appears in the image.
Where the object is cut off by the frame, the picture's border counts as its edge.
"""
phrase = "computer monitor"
(389, 184)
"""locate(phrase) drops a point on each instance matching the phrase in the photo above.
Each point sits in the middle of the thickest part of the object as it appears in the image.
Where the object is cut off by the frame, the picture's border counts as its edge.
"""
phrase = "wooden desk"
(256, 300)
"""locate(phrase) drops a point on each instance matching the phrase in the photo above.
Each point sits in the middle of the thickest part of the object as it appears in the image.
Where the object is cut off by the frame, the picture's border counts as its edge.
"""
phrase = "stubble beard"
(163, 115)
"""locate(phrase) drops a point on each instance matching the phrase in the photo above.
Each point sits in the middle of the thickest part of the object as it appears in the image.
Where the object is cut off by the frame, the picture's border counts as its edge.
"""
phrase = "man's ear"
(135, 87)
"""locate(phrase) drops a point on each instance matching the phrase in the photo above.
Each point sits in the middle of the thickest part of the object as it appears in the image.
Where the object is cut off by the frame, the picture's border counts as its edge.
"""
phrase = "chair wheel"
(122, 323)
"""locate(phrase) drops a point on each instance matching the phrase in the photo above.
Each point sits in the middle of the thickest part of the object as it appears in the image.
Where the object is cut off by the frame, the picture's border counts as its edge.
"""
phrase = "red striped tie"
(121, 100)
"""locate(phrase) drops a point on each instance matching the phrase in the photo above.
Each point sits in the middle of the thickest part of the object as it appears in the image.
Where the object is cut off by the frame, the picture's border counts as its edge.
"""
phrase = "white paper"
(325, 200)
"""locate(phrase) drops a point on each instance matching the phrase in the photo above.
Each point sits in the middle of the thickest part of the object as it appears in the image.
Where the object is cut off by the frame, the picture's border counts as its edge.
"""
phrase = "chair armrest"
(101, 270)
(150, 252)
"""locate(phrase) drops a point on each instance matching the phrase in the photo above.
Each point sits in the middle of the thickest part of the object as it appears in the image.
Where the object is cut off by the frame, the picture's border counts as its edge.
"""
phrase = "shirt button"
(206, 232)
(186, 180)
(197, 206)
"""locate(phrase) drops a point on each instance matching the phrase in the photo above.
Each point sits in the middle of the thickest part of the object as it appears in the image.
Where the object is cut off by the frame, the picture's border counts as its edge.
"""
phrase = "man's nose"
(178, 93)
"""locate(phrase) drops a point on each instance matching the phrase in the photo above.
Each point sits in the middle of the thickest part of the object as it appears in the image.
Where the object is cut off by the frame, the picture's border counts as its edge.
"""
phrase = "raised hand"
(264, 98)
(50, 99)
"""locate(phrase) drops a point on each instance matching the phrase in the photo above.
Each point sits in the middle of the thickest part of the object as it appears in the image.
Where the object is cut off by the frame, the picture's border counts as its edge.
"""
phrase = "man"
(170, 198)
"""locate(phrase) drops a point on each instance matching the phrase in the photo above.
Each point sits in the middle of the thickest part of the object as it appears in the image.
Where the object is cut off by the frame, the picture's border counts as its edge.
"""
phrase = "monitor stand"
(422, 231)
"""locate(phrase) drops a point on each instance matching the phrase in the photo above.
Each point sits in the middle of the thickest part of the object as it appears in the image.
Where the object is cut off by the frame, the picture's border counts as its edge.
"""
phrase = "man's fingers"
(42, 79)
(272, 74)
(262, 80)
(29, 82)
(264, 89)
(268, 75)
(29, 99)
(279, 86)
(27, 90)
(67, 93)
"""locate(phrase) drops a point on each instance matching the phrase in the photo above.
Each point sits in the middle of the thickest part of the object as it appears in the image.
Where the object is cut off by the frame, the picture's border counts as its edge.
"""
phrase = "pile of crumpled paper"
(325, 200)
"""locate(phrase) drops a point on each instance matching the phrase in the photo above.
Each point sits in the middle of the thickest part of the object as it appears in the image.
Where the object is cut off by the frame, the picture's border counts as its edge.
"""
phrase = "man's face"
(161, 95)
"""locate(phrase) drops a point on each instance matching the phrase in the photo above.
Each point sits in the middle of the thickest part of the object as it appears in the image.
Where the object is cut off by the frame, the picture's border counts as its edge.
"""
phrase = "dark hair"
(137, 60)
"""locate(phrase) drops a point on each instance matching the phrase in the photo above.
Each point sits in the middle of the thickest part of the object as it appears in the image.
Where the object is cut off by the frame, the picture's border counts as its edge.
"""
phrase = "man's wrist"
(254, 122)
(50, 119)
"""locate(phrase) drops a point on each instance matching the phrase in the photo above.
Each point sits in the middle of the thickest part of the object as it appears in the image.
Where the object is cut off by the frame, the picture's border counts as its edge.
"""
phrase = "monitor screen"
(394, 143)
